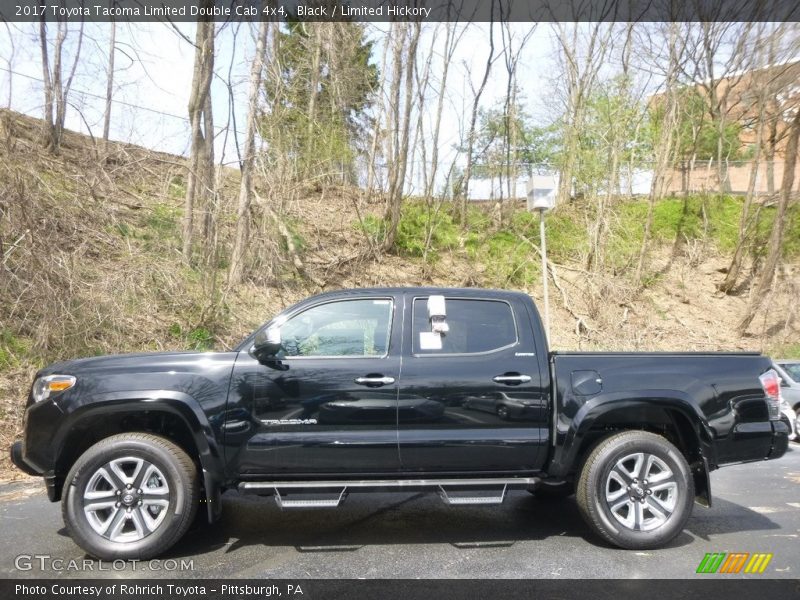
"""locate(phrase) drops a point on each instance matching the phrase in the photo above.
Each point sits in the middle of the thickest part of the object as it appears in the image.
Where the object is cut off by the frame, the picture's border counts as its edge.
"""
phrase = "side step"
(310, 502)
(453, 499)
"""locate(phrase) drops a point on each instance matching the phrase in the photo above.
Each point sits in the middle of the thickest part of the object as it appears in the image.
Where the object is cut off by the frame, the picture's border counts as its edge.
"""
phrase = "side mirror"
(267, 343)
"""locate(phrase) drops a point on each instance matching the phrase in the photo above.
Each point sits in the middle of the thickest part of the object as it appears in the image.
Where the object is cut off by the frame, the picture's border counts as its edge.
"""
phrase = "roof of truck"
(422, 290)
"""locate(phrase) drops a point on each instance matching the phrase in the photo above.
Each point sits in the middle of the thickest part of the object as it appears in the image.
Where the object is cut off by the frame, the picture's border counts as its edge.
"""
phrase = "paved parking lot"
(756, 509)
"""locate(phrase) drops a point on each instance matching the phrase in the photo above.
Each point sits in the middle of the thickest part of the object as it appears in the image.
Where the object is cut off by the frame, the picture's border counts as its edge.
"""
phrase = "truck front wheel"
(636, 490)
(130, 496)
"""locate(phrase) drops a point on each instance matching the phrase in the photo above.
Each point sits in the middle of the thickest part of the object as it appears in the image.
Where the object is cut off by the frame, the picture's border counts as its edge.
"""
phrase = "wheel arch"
(672, 416)
(173, 415)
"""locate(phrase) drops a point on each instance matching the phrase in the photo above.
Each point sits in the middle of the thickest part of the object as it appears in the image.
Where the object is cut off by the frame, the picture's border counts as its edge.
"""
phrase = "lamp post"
(541, 203)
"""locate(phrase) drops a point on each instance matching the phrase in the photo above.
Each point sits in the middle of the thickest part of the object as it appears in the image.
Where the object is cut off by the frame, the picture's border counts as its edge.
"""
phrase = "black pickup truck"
(450, 390)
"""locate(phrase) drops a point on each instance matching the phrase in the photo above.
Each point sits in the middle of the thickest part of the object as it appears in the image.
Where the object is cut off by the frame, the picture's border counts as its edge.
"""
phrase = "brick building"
(742, 97)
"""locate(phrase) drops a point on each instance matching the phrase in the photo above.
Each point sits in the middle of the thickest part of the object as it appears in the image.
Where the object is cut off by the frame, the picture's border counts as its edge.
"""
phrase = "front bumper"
(16, 452)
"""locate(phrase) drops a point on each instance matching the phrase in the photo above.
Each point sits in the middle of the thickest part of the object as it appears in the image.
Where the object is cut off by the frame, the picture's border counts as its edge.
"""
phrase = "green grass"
(786, 351)
(199, 338)
(163, 219)
(12, 349)
(509, 258)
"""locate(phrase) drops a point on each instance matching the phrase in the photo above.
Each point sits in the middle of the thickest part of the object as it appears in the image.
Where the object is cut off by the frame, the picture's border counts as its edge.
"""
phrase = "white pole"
(543, 242)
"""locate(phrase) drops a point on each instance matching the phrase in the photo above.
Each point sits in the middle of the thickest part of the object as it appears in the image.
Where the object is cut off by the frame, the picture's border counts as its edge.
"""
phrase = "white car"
(789, 372)
(793, 418)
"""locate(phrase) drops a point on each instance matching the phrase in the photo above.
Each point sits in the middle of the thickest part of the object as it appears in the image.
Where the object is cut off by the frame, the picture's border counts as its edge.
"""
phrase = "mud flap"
(702, 483)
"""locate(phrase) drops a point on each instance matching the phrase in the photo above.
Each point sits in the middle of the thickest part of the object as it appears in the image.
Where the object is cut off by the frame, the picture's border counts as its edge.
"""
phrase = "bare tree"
(403, 60)
(768, 83)
(56, 88)
(248, 159)
(110, 79)
(583, 48)
(665, 140)
(473, 119)
(200, 183)
(775, 248)
(511, 57)
(10, 64)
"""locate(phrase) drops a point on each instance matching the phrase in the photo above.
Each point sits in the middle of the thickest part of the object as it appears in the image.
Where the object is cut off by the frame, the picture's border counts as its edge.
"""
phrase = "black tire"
(619, 512)
(166, 475)
(502, 412)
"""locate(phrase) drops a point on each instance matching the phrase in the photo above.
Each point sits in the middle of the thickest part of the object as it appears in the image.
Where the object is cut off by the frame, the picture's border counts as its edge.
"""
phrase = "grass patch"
(199, 338)
(12, 349)
(163, 219)
(786, 351)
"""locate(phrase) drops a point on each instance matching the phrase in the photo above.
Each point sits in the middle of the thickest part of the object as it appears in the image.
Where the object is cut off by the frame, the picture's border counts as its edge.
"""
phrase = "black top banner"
(400, 10)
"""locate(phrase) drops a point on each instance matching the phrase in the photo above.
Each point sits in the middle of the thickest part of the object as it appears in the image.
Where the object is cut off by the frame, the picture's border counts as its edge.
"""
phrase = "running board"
(512, 482)
(463, 492)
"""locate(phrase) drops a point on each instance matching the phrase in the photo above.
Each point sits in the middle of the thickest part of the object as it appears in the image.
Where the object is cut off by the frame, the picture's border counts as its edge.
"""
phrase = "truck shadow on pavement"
(387, 519)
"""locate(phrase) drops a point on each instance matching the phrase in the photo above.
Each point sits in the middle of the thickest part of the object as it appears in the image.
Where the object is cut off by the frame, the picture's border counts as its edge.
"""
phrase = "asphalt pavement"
(413, 535)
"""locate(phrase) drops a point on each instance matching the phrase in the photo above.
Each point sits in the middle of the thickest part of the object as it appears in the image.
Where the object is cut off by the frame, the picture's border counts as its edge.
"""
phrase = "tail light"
(771, 382)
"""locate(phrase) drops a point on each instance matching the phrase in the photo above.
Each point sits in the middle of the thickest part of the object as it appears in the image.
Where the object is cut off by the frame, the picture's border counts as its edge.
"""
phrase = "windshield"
(793, 370)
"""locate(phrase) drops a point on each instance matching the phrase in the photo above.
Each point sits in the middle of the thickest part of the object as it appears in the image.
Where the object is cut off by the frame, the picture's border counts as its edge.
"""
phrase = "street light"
(542, 201)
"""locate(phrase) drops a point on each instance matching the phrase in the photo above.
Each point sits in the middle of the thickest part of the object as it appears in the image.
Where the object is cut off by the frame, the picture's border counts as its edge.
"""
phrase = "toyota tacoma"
(447, 390)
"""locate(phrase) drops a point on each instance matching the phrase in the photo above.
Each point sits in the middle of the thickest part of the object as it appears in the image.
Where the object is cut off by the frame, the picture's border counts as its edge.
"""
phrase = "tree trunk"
(397, 180)
(732, 276)
(201, 163)
(109, 80)
(776, 236)
(473, 121)
(248, 160)
(49, 102)
(313, 83)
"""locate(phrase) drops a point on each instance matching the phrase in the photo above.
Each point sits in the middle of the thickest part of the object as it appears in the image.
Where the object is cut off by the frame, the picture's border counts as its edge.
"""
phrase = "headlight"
(44, 387)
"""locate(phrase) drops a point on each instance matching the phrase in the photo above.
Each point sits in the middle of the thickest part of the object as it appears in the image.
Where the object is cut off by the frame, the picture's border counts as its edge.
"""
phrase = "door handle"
(511, 379)
(376, 381)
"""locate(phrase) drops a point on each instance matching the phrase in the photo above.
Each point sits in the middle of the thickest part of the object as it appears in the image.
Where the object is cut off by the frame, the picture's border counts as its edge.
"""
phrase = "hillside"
(91, 263)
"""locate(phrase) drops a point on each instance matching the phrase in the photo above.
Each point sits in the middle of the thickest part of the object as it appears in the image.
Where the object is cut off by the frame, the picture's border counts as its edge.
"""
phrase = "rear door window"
(475, 327)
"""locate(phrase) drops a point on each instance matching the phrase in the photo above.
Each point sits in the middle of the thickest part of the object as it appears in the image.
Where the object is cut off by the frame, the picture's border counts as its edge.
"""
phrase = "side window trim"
(349, 356)
(415, 354)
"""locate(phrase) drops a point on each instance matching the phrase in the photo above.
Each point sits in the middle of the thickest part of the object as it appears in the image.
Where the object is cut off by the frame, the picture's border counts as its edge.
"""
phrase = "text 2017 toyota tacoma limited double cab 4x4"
(450, 390)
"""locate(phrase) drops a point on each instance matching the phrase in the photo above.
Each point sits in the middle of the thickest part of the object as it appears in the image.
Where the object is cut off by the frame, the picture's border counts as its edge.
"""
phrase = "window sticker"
(429, 340)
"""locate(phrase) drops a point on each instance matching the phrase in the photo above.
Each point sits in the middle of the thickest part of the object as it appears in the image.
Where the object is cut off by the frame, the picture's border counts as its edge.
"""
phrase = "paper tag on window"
(429, 340)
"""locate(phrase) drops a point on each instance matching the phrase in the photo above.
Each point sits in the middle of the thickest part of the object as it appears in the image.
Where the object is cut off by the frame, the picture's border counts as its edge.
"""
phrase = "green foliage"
(510, 257)
(177, 187)
(791, 350)
(496, 130)
(163, 219)
(199, 338)
(610, 132)
(697, 134)
(316, 113)
(12, 349)
(297, 239)
(416, 221)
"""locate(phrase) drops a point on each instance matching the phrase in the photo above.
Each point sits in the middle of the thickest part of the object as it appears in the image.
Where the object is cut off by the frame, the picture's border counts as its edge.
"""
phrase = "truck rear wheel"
(130, 496)
(636, 490)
